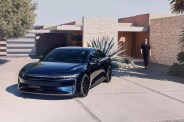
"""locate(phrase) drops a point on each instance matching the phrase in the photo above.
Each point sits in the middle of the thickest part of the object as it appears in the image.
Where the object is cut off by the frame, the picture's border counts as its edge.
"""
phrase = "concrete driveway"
(135, 95)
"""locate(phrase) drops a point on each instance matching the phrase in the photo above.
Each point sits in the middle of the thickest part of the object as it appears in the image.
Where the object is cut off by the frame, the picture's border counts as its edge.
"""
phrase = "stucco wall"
(94, 27)
(164, 36)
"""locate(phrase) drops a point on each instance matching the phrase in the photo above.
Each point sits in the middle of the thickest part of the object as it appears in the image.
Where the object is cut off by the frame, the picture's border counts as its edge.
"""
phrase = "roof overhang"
(58, 28)
(70, 27)
(61, 28)
(132, 29)
(40, 31)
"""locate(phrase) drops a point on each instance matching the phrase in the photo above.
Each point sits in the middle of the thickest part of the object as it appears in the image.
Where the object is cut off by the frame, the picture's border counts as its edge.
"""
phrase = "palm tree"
(177, 6)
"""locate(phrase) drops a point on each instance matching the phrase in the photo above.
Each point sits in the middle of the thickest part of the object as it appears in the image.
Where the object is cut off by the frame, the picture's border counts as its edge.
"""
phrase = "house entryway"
(132, 42)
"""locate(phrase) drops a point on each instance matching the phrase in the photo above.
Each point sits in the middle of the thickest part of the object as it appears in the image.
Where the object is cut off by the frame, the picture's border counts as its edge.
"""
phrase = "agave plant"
(107, 46)
(177, 6)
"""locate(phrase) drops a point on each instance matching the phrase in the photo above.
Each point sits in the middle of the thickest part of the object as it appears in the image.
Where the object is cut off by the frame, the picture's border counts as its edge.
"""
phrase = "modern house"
(161, 30)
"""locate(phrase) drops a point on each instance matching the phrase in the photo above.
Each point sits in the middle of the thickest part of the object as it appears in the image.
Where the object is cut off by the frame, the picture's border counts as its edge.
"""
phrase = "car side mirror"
(93, 59)
(40, 57)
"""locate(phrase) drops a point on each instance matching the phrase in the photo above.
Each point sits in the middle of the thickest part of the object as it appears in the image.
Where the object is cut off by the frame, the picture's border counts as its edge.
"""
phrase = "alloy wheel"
(108, 74)
(85, 85)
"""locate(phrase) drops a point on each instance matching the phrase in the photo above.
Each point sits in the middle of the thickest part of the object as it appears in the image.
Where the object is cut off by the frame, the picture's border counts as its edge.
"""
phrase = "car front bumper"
(64, 87)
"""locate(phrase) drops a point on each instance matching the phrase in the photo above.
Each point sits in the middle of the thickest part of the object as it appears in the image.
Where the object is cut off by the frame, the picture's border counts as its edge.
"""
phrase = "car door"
(94, 66)
(102, 63)
(98, 66)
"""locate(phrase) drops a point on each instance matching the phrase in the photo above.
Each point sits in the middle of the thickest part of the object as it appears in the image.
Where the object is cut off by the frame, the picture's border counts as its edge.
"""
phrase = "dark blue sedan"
(67, 71)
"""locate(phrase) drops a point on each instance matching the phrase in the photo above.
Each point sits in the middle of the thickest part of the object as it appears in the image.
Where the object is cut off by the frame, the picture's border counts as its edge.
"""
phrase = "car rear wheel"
(108, 74)
(85, 85)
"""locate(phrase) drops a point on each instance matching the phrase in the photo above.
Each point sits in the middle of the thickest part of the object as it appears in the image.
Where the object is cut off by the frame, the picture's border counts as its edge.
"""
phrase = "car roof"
(78, 48)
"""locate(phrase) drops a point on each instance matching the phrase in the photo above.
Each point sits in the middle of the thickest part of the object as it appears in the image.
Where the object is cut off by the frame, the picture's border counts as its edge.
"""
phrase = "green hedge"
(178, 68)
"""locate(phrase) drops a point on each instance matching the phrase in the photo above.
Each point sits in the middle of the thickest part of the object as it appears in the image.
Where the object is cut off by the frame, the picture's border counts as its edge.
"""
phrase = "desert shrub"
(123, 59)
(176, 68)
(115, 64)
(123, 62)
(107, 46)
(180, 57)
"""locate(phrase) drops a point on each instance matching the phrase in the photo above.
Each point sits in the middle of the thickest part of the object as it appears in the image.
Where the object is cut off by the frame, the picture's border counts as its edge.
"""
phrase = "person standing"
(146, 52)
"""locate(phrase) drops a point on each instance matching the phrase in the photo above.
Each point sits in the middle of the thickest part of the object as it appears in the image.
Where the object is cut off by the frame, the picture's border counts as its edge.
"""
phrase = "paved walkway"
(135, 95)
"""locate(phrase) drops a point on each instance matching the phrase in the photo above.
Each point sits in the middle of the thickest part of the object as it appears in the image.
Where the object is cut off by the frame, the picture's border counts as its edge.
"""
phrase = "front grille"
(41, 78)
(47, 82)
(46, 89)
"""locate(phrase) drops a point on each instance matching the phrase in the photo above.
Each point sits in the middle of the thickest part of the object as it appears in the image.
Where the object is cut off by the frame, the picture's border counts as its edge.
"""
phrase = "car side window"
(94, 54)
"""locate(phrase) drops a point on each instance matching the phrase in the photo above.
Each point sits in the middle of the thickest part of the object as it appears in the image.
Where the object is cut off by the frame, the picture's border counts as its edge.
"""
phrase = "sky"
(53, 12)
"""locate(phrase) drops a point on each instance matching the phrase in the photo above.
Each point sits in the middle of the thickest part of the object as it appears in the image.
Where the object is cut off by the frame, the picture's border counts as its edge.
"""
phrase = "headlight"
(76, 68)
(70, 76)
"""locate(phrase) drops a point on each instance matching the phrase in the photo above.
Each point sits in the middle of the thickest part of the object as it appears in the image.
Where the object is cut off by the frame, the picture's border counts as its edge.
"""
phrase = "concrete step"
(2, 42)
(20, 49)
(3, 53)
(20, 45)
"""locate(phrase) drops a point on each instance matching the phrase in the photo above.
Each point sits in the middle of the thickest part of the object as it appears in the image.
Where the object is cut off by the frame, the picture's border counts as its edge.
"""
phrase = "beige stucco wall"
(164, 39)
(94, 27)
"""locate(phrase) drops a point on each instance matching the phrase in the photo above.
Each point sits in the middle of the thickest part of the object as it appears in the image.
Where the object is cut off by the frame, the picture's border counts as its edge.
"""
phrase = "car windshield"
(67, 55)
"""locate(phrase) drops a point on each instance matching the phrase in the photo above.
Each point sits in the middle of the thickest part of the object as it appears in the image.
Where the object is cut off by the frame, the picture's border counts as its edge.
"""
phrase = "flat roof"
(80, 28)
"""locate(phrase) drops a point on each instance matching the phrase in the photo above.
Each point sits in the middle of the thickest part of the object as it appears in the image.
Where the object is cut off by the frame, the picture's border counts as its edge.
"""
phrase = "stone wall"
(94, 27)
(164, 39)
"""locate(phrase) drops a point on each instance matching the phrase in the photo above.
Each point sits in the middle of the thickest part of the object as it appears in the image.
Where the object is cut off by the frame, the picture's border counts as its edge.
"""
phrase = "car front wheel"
(85, 86)
(108, 74)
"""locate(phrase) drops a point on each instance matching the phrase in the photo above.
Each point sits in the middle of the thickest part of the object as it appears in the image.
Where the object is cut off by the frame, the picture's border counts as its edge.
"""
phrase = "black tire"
(85, 86)
(108, 74)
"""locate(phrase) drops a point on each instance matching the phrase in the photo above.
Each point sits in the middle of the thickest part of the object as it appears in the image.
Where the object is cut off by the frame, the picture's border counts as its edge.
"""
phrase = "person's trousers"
(146, 59)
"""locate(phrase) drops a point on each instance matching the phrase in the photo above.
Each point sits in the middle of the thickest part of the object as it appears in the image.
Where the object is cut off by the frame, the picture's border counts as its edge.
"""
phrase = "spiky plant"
(177, 6)
(107, 46)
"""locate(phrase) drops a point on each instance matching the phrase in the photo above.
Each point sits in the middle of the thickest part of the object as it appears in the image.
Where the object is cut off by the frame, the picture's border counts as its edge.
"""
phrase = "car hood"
(51, 68)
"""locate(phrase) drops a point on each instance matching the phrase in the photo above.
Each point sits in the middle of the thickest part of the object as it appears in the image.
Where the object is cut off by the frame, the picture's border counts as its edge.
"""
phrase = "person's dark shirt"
(145, 48)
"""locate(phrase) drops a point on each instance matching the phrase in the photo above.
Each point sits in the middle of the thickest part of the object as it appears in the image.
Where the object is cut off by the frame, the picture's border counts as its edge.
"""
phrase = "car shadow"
(13, 90)
(3, 61)
(155, 71)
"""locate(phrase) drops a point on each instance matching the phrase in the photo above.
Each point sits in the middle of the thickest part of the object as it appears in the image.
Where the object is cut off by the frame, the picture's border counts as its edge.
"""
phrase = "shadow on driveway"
(155, 71)
(13, 90)
(3, 61)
